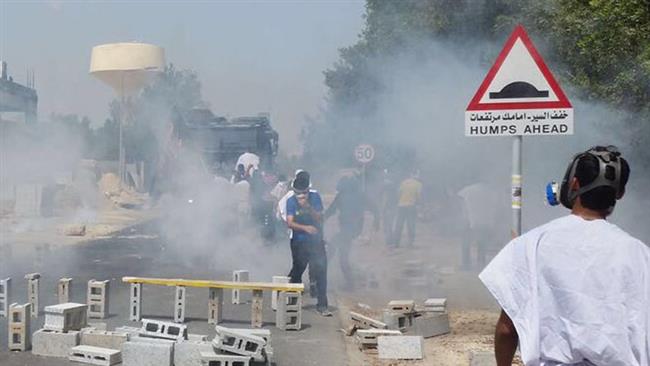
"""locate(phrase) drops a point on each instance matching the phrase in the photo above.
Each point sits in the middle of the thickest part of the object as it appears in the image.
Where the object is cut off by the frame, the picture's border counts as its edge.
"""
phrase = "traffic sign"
(364, 153)
(519, 96)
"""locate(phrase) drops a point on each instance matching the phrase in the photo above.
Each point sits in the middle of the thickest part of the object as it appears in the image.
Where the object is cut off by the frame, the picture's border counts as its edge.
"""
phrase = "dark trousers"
(405, 215)
(314, 254)
(389, 224)
(341, 244)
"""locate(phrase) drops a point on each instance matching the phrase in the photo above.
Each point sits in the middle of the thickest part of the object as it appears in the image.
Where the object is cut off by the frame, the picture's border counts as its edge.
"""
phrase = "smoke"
(418, 103)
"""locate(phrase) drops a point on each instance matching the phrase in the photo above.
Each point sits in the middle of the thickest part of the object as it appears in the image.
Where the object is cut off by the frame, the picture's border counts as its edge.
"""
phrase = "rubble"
(400, 347)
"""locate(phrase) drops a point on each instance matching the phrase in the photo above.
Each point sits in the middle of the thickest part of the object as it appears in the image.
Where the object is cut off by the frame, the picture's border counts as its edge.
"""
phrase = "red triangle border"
(518, 33)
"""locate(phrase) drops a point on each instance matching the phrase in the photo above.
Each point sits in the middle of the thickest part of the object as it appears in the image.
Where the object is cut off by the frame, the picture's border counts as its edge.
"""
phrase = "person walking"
(409, 194)
(305, 219)
(351, 204)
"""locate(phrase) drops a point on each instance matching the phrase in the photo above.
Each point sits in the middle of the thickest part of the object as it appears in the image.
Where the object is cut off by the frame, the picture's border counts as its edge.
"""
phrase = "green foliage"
(599, 47)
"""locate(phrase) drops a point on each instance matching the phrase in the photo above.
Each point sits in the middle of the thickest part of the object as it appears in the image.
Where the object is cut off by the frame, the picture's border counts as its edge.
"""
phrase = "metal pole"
(516, 186)
(122, 157)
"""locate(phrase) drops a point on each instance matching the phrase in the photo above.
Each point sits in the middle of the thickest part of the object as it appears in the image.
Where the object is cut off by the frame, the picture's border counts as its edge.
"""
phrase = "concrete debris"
(430, 325)
(65, 317)
(141, 351)
(103, 338)
(164, 330)
(400, 347)
(367, 338)
(401, 306)
(364, 322)
(188, 353)
(74, 230)
(50, 343)
(239, 343)
(95, 355)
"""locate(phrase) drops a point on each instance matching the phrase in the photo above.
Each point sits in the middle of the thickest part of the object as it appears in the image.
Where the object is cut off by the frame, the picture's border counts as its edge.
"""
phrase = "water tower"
(127, 68)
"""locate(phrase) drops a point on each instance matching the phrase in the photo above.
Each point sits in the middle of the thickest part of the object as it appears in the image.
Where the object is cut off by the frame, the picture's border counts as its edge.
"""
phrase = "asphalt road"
(141, 252)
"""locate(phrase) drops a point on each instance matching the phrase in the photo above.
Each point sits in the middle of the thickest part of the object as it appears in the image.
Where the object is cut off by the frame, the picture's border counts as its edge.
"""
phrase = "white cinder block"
(240, 343)
(165, 330)
(147, 353)
(213, 359)
(240, 296)
(103, 338)
(65, 317)
(188, 353)
(49, 343)
(400, 347)
(95, 355)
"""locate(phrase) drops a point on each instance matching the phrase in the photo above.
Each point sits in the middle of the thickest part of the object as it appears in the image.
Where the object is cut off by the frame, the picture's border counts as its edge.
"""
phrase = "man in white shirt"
(576, 291)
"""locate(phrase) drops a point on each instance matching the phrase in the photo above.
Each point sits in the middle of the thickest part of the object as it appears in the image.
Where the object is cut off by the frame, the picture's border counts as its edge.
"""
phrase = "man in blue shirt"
(305, 219)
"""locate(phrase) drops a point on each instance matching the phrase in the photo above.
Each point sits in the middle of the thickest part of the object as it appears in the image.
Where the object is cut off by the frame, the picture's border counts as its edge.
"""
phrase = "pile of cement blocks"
(159, 343)
(65, 334)
(401, 317)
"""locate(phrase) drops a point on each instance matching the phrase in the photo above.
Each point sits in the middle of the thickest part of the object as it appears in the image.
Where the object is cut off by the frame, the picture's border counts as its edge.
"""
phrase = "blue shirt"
(303, 217)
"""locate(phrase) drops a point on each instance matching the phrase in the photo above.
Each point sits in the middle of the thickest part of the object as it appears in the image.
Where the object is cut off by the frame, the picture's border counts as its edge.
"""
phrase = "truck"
(220, 141)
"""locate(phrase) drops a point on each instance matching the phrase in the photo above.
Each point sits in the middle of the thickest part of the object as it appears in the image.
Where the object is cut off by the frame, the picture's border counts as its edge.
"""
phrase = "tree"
(601, 48)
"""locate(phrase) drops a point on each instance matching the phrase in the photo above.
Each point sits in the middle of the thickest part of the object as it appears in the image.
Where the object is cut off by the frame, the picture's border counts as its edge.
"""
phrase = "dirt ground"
(428, 270)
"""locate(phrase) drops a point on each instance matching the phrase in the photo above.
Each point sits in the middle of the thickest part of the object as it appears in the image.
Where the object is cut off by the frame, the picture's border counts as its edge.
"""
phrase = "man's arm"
(293, 225)
(505, 340)
(331, 210)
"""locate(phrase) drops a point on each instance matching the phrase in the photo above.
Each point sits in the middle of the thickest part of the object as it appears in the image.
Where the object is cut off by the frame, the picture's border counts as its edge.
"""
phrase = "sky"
(251, 56)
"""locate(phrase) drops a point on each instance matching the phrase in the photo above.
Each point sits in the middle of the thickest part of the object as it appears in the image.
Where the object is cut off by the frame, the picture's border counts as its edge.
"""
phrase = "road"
(140, 251)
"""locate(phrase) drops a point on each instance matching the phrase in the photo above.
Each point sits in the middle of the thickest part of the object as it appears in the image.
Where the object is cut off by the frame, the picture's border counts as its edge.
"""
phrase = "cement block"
(274, 294)
(5, 296)
(478, 358)
(19, 334)
(197, 337)
(401, 306)
(164, 330)
(215, 305)
(98, 299)
(188, 353)
(98, 325)
(367, 338)
(438, 305)
(240, 343)
(33, 292)
(103, 338)
(49, 343)
(179, 304)
(364, 322)
(289, 312)
(400, 347)
(240, 296)
(63, 290)
(95, 355)
(430, 325)
(257, 306)
(397, 321)
(135, 302)
(130, 331)
(213, 359)
(65, 317)
(142, 352)
(265, 334)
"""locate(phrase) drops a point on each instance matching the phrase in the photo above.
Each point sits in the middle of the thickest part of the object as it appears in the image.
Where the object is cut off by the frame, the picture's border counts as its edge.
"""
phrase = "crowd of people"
(573, 291)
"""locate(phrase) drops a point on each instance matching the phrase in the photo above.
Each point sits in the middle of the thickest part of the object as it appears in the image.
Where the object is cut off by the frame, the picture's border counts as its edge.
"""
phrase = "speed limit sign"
(364, 153)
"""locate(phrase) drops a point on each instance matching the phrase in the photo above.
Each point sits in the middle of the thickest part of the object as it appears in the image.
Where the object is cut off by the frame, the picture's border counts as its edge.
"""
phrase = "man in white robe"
(575, 291)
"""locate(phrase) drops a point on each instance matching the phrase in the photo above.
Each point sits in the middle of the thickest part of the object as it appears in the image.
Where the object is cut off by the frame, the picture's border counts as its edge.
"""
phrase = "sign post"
(364, 153)
(518, 97)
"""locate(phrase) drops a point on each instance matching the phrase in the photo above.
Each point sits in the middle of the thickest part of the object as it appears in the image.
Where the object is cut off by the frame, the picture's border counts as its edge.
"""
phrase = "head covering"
(302, 182)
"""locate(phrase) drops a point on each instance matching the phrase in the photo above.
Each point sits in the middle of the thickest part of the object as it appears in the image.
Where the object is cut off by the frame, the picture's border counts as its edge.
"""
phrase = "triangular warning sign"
(519, 79)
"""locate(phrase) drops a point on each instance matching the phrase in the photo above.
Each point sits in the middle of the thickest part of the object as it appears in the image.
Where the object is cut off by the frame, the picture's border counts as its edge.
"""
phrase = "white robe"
(577, 291)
